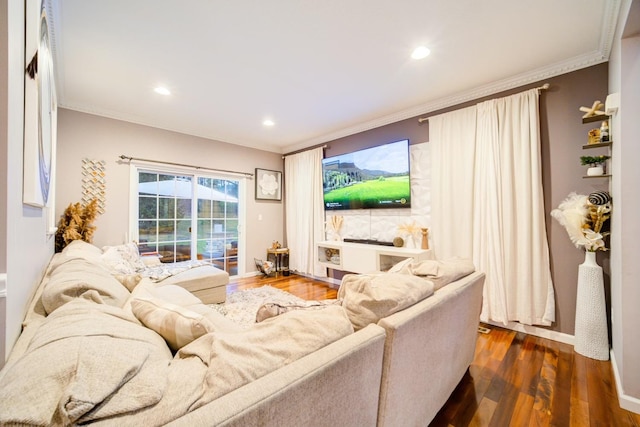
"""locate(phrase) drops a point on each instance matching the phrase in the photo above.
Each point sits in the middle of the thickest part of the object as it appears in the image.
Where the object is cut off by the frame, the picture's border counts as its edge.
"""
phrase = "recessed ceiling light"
(420, 52)
(268, 122)
(162, 90)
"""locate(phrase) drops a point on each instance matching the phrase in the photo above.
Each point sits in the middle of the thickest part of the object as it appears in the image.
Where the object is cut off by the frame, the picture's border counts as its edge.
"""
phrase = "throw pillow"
(369, 298)
(177, 325)
(130, 281)
(123, 259)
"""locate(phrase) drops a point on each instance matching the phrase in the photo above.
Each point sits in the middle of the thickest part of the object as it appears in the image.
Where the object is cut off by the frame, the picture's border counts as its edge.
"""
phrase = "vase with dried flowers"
(333, 227)
(584, 217)
(409, 231)
(76, 223)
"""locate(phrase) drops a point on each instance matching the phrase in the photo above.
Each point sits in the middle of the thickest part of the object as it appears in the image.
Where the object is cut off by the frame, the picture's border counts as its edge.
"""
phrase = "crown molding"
(607, 35)
(538, 75)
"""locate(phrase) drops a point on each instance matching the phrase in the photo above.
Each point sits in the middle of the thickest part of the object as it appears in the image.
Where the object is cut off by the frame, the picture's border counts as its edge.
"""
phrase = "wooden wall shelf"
(599, 144)
(598, 118)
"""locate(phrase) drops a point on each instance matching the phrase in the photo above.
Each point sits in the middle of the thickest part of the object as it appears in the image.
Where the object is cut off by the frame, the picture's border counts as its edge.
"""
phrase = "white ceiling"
(319, 69)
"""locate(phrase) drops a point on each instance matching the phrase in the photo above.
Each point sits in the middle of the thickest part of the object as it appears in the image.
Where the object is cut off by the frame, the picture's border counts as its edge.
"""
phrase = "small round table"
(278, 255)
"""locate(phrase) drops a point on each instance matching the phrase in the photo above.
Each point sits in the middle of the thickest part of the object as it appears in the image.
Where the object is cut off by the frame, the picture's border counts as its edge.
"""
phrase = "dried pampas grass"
(76, 223)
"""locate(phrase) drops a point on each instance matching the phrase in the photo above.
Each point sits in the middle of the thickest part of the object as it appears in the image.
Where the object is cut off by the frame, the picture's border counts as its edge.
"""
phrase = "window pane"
(232, 210)
(183, 232)
(166, 208)
(147, 207)
(147, 231)
(183, 251)
(183, 209)
(204, 229)
(166, 231)
(147, 177)
(215, 248)
(232, 190)
(219, 229)
(201, 245)
(218, 209)
(147, 247)
(205, 182)
(204, 208)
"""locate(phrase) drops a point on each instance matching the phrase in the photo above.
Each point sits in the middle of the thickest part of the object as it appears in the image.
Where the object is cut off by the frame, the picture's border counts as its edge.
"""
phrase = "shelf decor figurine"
(596, 164)
(604, 131)
(425, 238)
(594, 110)
(583, 217)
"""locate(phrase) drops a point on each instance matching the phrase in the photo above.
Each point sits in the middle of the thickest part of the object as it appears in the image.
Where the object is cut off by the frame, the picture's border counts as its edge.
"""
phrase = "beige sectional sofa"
(93, 351)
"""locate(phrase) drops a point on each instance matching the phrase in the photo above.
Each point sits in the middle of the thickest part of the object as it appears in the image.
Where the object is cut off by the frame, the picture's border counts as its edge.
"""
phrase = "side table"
(279, 256)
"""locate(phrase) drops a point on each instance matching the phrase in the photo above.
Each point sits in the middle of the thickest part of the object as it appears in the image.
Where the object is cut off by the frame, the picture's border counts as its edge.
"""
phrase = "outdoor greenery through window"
(179, 229)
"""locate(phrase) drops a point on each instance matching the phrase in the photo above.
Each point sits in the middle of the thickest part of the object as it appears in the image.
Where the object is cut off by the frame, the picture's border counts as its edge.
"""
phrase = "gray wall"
(562, 135)
(82, 135)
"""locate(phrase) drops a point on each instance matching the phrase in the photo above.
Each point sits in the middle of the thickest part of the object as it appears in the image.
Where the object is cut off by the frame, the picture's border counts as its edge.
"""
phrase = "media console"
(365, 258)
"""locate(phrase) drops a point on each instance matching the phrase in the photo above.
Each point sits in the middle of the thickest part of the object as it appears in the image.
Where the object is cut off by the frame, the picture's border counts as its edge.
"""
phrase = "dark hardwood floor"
(515, 379)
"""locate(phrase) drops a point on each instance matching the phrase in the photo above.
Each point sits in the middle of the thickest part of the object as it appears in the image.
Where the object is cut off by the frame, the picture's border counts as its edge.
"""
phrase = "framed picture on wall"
(268, 184)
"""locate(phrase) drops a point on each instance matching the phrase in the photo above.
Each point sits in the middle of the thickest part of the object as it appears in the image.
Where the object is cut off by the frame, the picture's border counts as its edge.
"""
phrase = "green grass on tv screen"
(369, 193)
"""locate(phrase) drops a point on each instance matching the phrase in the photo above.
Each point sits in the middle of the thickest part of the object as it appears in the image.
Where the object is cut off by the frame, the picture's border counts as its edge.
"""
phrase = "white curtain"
(452, 136)
(507, 223)
(304, 210)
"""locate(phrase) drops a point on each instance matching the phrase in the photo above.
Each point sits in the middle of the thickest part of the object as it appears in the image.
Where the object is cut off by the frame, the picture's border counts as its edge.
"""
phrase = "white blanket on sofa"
(76, 362)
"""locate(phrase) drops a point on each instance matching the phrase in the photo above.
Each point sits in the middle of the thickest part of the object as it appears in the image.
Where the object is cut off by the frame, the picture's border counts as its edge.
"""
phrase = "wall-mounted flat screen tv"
(376, 177)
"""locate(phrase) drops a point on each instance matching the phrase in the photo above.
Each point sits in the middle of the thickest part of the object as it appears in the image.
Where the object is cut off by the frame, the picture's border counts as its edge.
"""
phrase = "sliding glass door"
(184, 217)
(217, 213)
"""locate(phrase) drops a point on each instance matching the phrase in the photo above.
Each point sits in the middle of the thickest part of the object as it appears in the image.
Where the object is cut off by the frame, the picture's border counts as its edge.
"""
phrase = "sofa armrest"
(429, 347)
(337, 385)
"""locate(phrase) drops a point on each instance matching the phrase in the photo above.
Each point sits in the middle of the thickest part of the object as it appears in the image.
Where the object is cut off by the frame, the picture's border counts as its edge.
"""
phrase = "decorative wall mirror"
(40, 110)
(46, 106)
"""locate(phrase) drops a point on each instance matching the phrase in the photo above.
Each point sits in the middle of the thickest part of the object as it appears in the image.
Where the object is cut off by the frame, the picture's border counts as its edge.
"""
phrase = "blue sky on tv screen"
(393, 157)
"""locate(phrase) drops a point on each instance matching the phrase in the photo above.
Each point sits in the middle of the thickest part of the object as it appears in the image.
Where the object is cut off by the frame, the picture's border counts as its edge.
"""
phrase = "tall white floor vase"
(591, 335)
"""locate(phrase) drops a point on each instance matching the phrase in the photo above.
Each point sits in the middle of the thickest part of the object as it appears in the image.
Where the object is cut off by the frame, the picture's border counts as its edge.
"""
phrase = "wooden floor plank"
(484, 413)
(515, 379)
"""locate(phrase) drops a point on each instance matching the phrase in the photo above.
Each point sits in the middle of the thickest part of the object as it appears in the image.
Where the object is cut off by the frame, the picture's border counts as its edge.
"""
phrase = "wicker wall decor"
(94, 183)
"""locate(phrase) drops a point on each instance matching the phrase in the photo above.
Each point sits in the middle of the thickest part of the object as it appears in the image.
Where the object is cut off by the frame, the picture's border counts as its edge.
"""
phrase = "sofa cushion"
(82, 249)
(85, 362)
(440, 272)
(72, 277)
(237, 358)
(177, 325)
(369, 297)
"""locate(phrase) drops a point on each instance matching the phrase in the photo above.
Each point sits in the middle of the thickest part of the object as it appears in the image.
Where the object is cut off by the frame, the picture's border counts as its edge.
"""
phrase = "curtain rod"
(302, 150)
(543, 87)
(249, 175)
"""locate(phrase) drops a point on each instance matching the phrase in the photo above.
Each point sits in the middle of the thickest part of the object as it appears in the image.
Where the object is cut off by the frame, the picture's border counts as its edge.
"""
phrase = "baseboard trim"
(536, 331)
(626, 402)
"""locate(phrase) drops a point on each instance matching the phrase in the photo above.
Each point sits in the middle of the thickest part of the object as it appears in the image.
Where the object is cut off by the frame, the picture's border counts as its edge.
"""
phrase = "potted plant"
(596, 164)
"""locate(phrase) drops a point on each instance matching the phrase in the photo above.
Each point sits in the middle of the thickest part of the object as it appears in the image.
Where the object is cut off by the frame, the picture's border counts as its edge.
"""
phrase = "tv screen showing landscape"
(372, 178)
